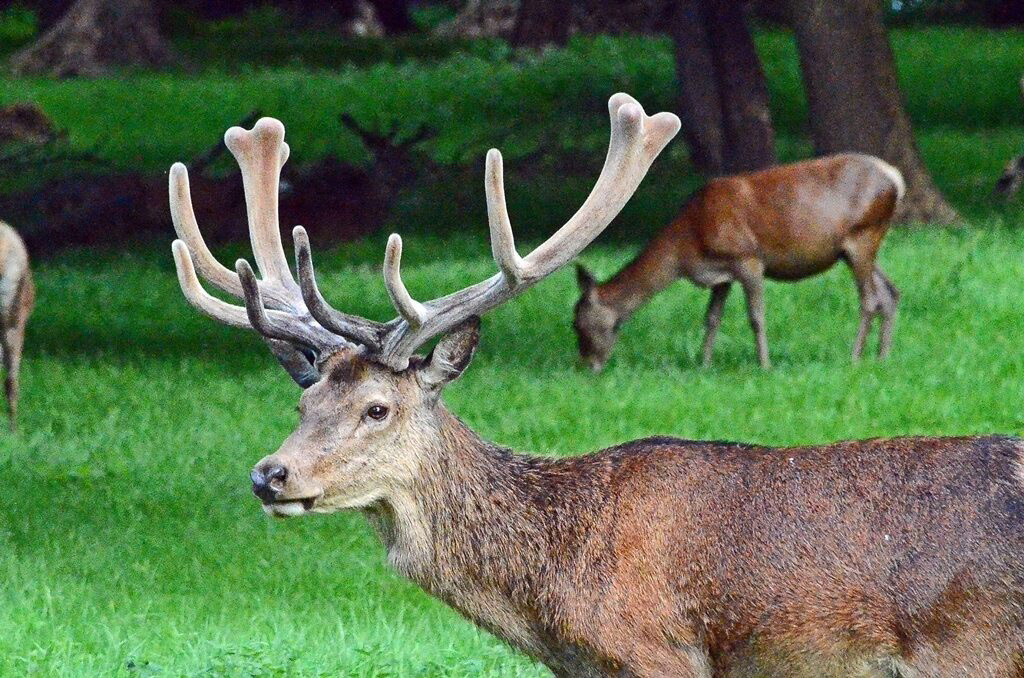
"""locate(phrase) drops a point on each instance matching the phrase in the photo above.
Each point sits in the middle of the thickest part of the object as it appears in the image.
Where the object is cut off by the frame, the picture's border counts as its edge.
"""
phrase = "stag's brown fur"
(17, 297)
(674, 557)
(784, 223)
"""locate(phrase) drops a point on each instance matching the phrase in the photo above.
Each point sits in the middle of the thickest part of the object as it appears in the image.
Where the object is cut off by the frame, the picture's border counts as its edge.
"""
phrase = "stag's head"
(370, 413)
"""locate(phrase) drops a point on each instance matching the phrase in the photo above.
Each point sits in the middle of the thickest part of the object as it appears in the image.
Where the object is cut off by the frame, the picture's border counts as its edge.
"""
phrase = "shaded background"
(390, 106)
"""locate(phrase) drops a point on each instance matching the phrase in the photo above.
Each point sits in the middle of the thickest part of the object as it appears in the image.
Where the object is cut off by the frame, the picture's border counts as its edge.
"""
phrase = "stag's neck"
(654, 269)
(481, 524)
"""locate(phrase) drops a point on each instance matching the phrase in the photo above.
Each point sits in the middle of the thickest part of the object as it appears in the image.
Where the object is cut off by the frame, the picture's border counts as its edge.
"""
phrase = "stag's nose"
(268, 481)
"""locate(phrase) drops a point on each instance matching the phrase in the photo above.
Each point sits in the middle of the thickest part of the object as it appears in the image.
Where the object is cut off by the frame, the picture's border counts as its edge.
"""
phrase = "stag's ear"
(451, 355)
(586, 280)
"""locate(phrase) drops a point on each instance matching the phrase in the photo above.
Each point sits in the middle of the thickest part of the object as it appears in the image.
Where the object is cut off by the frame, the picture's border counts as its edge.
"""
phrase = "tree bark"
(94, 36)
(540, 23)
(698, 99)
(393, 16)
(853, 95)
(723, 96)
(742, 90)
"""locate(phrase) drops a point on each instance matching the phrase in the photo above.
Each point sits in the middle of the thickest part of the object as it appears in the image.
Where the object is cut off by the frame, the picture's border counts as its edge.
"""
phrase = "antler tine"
(636, 140)
(261, 152)
(297, 365)
(187, 228)
(411, 310)
(278, 325)
(200, 298)
(503, 243)
(358, 329)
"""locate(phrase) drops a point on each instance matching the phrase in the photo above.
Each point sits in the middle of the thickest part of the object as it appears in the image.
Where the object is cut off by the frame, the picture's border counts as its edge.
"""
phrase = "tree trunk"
(698, 94)
(92, 37)
(723, 96)
(540, 23)
(393, 16)
(742, 90)
(853, 95)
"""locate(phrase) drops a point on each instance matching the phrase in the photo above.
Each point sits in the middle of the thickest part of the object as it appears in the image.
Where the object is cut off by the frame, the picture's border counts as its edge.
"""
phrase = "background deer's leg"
(719, 293)
(11, 343)
(860, 255)
(751, 275)
(888, 301)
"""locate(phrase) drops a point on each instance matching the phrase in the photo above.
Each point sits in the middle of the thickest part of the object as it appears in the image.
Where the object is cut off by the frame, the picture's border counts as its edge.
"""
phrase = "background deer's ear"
(451, 355)
(586, 279)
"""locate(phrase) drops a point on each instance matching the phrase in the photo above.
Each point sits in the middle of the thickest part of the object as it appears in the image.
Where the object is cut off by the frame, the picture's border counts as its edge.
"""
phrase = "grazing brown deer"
(17, 297)
(659, 557)
(1012, 178)
(785, 223)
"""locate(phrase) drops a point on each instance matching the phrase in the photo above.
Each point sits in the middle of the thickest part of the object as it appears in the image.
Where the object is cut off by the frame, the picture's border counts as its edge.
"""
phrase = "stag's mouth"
(285, 508)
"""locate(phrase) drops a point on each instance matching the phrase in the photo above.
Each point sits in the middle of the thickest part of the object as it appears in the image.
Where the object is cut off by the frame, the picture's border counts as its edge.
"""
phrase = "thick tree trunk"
(698, 93)
(540, 23)
(92, 37)
(393, 16)
(854, 98)
(621, 17)
(723, 96)
(742, 90)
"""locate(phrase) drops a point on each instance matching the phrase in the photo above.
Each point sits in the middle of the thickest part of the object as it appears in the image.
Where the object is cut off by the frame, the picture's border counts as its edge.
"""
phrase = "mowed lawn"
(129, 542)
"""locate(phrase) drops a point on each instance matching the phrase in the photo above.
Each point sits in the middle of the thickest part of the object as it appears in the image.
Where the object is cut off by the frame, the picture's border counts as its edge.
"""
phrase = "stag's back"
(902, 549)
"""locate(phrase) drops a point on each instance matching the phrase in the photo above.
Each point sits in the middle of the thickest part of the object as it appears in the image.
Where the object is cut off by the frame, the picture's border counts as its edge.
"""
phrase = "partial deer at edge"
(659, 557)
(1012, 178)
(784, 223)
(17, 297)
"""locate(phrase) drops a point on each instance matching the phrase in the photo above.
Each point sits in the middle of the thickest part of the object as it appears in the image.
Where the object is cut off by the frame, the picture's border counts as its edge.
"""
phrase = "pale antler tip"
(243, 269)
(182, 257)
(630, 114)
(665, 123)
(271, 127)
(235, 137)
(178, 169)
(299, 234)
(394, 245)
(620, 99)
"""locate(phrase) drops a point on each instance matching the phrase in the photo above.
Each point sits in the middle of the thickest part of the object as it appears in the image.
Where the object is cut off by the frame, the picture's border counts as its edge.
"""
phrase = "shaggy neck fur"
(485, 529)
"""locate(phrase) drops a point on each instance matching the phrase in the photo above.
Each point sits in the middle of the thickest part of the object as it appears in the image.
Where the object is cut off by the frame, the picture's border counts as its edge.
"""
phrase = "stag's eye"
(377, 412)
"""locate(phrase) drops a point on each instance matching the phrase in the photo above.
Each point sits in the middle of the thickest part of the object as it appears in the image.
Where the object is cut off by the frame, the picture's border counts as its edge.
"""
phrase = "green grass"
(129, 543)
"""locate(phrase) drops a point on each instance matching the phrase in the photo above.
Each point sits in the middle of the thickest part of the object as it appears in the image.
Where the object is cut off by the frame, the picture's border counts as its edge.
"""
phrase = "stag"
(17, 297)
(659, 557)
(784, 223)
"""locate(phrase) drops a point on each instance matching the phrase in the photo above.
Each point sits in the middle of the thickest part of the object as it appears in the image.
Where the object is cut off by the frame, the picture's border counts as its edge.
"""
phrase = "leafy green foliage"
(545, 112)
(18, 25)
